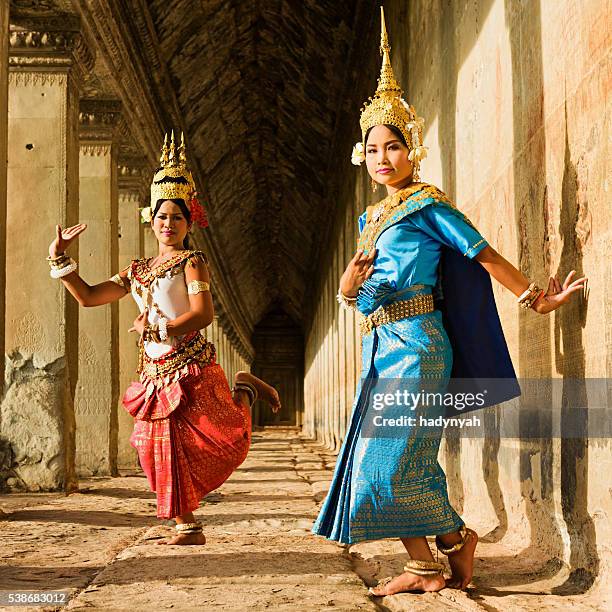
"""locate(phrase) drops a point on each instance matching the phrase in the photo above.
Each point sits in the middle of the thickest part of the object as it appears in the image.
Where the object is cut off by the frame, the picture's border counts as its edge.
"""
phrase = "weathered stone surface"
(320, 488)
(100, 546)
(38, 421)
(4, 43)
(40, 323)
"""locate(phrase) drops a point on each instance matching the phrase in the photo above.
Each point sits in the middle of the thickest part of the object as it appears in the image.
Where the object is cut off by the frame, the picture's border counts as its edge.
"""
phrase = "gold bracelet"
(57, 263)
(196, 286)
(151, 333)
(529, 296)
(346, 302)
(526, 293)
(534, 298)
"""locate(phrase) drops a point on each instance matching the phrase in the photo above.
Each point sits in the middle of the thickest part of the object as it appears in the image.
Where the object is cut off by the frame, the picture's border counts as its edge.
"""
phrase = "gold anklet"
(248, 388)
(423, 568)
(463, 532)
(181, 527)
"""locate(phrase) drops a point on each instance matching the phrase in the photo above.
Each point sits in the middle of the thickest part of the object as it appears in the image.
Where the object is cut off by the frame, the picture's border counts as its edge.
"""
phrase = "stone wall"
(514, 99)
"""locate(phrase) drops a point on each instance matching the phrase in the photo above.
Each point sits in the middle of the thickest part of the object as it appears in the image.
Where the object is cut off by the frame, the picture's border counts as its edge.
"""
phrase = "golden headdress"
(387, 107)
(173, 165)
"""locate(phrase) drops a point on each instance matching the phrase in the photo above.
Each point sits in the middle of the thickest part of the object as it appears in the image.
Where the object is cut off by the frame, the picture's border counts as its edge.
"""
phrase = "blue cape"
(472, 323)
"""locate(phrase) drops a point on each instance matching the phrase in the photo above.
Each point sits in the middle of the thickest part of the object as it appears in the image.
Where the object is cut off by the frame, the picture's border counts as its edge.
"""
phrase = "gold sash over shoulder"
(397, 206)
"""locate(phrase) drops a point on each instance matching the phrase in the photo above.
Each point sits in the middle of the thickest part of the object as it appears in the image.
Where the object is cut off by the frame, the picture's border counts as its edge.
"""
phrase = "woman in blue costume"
(415, 246)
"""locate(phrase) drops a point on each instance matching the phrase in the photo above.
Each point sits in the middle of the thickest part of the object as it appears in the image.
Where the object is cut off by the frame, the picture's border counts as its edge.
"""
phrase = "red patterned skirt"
(189, 434)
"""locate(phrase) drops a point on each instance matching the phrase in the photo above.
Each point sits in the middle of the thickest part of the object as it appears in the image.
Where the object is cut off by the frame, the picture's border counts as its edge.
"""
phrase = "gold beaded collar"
(397, 206)
(145, 275)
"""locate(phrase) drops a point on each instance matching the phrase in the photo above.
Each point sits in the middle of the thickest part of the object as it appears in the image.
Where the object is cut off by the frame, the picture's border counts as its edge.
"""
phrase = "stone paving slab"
(101, 545)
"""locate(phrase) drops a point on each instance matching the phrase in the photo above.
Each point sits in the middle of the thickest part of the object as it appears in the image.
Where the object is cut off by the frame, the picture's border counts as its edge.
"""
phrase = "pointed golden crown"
(173, 164)
(387, 107)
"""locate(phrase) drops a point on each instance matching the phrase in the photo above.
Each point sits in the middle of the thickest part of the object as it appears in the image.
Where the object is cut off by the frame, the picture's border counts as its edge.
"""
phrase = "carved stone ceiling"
(259, 86)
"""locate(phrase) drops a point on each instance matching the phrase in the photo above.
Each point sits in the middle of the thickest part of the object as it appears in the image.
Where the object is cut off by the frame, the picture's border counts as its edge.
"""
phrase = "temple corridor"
(515, 97)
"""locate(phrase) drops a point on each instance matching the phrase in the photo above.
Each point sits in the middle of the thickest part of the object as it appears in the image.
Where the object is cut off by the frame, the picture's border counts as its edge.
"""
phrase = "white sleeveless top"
(164, 291)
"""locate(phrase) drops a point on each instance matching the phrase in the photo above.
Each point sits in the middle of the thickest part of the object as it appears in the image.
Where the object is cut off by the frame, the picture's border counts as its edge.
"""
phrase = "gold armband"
(196, 286)
(118, 281)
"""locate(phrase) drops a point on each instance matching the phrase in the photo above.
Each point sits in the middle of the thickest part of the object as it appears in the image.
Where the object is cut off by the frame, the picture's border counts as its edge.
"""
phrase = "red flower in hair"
(198, 214)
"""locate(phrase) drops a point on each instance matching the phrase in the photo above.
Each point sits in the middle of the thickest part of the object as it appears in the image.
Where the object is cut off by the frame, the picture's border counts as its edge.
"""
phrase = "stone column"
(4, 36)
(37, 417)
(150, 246)
(98, 383)
(5, 452)
(130, 201)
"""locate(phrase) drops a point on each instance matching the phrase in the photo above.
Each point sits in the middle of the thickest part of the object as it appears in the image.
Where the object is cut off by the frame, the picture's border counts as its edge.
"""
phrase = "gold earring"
(374, 186)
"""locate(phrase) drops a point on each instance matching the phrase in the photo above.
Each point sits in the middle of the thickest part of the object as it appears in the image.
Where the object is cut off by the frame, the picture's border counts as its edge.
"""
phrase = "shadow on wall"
(537, 468)
(529, 159)
(532, 212)
(448, 146)
(570, 353)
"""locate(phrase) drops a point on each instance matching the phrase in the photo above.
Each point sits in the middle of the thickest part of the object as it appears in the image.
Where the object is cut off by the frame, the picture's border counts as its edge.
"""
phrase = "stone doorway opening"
(279, 360)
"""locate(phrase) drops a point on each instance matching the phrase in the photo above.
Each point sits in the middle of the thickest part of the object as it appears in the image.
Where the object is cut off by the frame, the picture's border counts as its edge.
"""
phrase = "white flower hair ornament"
(358, 156)
(417, 154)
(146, 215)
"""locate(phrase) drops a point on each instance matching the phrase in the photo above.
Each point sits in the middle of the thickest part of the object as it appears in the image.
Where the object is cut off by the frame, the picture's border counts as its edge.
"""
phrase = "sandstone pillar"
(4, 35)
(5, 453)
(98, 383)
(41, 318)
(130, 200)
(150, 246)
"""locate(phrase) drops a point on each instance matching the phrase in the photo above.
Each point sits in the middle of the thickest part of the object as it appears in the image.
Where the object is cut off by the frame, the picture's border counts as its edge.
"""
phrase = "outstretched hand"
(559, 294)
(64, 238)
(360, 268)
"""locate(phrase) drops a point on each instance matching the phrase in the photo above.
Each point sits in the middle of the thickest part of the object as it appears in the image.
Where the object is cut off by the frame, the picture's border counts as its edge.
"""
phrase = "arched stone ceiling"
(259, 87)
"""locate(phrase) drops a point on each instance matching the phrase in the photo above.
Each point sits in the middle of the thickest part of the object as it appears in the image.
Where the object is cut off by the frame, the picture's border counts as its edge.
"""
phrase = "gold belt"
(419, 304)
(193, 350)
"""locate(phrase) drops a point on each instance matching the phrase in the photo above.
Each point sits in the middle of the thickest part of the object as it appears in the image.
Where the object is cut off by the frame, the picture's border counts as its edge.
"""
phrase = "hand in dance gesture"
(360, 268)
(140, 321)
(64, 238)
(558, 294)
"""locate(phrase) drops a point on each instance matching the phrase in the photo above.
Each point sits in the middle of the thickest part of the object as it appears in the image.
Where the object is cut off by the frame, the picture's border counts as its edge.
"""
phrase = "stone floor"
(99, 545)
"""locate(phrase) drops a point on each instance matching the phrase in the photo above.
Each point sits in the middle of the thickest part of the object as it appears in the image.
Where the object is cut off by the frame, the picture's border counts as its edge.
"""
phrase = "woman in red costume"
(191, 430)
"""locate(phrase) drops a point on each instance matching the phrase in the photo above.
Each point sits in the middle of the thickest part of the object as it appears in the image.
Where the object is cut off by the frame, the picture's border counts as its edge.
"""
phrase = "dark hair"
(179, 202)
(395, 131)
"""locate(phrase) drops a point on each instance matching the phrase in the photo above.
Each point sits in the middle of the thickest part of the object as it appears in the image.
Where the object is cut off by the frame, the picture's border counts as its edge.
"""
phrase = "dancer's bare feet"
(185, 539)
(462, 562)
(265, 392)
(408, 582)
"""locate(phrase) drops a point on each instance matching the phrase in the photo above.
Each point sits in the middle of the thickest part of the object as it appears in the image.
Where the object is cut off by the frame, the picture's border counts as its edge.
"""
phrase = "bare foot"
(408, 582)
(265, 392)
(185, 539)
(462, 563)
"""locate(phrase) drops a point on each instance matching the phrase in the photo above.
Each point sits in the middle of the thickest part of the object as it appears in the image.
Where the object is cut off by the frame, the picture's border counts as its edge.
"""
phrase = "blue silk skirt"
(390, 484)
